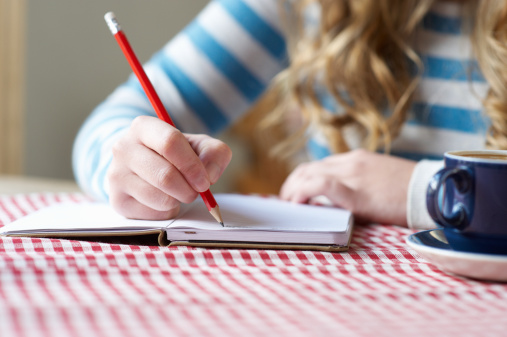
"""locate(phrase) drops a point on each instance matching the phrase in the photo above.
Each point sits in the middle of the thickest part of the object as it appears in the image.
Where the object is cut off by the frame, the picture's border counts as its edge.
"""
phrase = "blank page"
(267, 214)
(84, 218)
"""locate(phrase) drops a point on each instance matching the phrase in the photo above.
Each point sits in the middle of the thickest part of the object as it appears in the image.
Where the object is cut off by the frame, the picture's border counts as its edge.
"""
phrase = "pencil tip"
(215, 211)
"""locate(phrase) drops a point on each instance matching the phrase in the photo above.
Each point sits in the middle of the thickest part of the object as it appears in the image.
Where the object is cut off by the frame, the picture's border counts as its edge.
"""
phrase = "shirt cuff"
(417, 213)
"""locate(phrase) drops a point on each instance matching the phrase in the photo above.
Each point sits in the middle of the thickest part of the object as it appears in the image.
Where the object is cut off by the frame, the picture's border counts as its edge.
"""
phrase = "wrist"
(417, 213)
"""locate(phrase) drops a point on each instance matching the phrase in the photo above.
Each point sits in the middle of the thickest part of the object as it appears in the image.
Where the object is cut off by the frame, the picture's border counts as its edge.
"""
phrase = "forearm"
(92, 153)
(207, 76)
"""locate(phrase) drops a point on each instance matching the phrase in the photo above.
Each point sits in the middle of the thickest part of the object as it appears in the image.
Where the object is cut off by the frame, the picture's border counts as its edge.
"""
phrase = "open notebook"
(251, 222)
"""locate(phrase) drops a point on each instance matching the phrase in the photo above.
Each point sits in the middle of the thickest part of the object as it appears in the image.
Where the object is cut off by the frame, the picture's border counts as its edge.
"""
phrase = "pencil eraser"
(112, 23)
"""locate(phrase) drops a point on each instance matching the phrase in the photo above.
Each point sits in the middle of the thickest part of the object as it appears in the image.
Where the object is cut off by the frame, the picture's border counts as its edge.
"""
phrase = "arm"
(206, 76)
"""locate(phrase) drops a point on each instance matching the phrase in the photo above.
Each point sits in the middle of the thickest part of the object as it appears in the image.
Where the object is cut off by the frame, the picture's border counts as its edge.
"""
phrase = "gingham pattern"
(380, 287)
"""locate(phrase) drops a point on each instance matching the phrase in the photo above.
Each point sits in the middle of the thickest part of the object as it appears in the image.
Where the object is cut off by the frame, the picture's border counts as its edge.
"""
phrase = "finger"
(161, 175)
(337, 193)
(174, 147)
(133, 209)
(136, 199)
(293, 187)
(334, 168)
(214, 154)
(304, 190)
(303, 172)
(321, 200)
(298, 174)
(149, 195)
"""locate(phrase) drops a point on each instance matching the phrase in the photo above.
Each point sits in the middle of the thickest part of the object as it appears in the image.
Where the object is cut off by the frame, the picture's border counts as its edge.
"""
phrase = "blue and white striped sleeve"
(207, 76)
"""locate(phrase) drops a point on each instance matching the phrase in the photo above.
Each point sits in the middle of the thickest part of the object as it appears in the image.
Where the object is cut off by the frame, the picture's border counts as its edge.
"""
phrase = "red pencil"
(136, 66)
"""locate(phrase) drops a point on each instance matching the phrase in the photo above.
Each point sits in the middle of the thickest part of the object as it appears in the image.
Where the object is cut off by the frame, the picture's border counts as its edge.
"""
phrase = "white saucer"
(432, 246)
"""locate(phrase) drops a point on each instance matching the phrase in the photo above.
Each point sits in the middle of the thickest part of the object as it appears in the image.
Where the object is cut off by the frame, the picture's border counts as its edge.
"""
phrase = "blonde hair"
(363, 54)
(490, 41)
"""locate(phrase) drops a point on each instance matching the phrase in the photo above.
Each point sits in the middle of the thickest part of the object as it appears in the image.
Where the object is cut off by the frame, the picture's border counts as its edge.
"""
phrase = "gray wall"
(73, 63)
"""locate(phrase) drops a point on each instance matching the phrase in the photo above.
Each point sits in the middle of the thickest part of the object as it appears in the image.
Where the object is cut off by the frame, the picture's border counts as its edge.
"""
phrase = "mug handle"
(463, 181)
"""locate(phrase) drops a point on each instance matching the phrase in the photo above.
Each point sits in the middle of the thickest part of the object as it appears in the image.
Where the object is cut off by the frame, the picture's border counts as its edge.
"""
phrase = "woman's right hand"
(155, 167)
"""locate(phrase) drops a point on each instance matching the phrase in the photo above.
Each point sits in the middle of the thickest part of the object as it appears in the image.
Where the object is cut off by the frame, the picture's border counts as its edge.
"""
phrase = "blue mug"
(468, 199)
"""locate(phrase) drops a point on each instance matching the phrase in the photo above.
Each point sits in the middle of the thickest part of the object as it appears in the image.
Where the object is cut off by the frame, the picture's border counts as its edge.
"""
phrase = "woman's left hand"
(373, 186)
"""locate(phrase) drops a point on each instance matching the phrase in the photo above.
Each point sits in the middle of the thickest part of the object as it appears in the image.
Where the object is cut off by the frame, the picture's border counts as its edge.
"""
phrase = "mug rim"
(458, 155)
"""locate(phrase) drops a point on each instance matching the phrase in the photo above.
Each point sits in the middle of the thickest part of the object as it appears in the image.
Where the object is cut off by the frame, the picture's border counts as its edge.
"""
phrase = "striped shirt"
(215, 69)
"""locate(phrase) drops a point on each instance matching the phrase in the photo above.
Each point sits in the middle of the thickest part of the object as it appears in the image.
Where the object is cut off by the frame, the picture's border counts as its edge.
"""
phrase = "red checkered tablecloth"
(380, 287)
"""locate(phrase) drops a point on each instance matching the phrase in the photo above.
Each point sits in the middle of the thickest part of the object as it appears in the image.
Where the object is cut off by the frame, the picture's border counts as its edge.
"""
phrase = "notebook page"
(265, 214)
(78, 217)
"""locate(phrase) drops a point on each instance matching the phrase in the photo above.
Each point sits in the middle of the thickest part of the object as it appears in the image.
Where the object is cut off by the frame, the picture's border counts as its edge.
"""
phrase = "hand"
(373, 186)
(155, 167)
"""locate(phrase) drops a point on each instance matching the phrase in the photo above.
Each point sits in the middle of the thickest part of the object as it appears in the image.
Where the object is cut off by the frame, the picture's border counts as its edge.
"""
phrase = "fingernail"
(213, 172)
(201, 184)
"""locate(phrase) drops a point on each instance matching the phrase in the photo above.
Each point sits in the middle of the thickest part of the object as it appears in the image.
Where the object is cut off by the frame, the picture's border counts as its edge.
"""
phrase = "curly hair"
(490, 46)
(362, 52)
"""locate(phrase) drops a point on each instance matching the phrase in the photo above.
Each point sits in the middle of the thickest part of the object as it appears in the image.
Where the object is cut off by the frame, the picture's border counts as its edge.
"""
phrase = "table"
(13, 184)
(53, 287)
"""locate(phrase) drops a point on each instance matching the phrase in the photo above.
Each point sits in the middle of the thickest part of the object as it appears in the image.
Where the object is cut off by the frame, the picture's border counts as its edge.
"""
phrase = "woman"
(382, 89)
